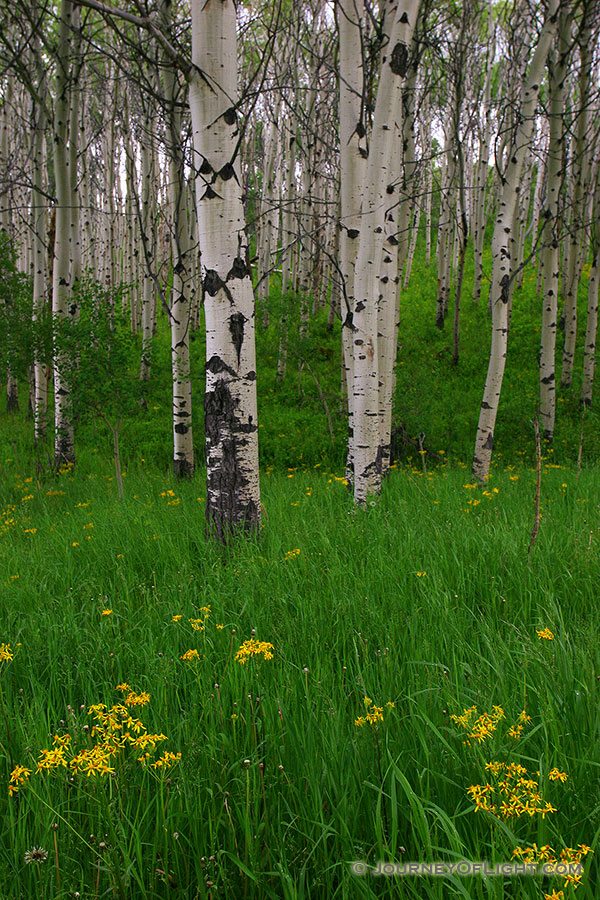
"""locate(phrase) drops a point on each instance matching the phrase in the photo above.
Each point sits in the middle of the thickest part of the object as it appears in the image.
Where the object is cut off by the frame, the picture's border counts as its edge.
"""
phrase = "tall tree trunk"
(62, 301)
(579, 201)
(402, 17)
(231, 426)
(180, 307)
(501, 266)
(589, 350)
(350, 15)
(551, 260)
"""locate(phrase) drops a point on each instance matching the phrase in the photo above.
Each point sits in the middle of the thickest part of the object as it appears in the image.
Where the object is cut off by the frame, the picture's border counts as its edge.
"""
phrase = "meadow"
(402, 683)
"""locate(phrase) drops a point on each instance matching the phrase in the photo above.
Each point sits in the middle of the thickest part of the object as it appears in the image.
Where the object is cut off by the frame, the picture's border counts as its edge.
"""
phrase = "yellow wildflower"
(167, 759)
(18, 777)
(6, 653)
(545, 634)
(190, 655)
(107, 612)
(134, 699)
(556, 775)
(253, 647)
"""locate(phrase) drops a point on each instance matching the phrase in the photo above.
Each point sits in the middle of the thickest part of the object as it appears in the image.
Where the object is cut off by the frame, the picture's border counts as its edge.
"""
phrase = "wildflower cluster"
(512, 793)
(114, 730)
(199, 623)
(569, 856)
(292, 554)
(373, 714)
(254, 648)
(545, 635)
(190, 656)
(6, 653)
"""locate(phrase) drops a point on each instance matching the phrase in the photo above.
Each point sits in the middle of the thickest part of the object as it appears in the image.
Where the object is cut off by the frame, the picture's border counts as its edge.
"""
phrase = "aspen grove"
(192, 158)
(299, 449)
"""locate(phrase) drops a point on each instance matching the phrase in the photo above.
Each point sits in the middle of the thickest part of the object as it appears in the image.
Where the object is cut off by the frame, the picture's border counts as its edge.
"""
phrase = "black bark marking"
(181, 428)
(227, 172)
(548, 379)
(212, 282)
(489, 441)
(251, 376)
(353, 233)
(485, 405)
(209, 193)
(206, 168)
(216, 365)
(399, 59)
(393, 240)
(236, 329)
(230, 116)
(239, 269)
(360, 306)
(226, 510)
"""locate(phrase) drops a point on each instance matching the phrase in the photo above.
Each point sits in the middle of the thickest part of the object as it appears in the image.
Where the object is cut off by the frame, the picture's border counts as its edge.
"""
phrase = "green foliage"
(18, 339)
(381, 604)
(96, 353)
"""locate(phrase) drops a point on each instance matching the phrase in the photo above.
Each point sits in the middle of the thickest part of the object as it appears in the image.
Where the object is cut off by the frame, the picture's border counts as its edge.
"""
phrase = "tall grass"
(426, 601)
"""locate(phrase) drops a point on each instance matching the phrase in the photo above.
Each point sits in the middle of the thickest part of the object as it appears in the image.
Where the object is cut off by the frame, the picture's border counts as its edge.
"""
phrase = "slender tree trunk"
(350, 15)
(62, 304)
(501, 271)
(180, 308)
(231, 426)
(579, 201)
(550, 255)
(589, 351)
(402, 17)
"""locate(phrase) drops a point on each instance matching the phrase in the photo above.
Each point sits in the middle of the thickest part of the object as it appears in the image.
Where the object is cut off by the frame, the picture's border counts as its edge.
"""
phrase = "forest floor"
(401, 656)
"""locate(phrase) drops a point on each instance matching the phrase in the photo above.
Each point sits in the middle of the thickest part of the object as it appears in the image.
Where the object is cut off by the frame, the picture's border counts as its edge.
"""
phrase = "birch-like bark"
(551, 251)
(64, 443)
(589, 349)
(501, 263)
(147, 247)
(39, 207)
(230, 408)
(579, 201)
(288, 241)
(401, 16)
(180, 307)
(6, 154)
(350, 14)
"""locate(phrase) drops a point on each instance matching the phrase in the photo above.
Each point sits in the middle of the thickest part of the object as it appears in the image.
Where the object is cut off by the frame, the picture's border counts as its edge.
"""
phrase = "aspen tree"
(180, 307)
(230, 409)
(12, 395)
(401, 17)
(589, 350)
(353, 152)
(587, 29)
(503, 229)
(551, 252)
(62, 303)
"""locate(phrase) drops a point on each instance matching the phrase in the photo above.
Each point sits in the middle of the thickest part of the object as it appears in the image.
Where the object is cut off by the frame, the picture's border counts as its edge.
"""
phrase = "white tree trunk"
(551, 251)
(231, 426)
(64, 445)
(402, 17)
(501, 265)
(350, 15)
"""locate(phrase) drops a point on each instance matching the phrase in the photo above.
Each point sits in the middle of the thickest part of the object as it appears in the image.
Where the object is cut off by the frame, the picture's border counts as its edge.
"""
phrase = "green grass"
(349, 616)
(427, 601)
